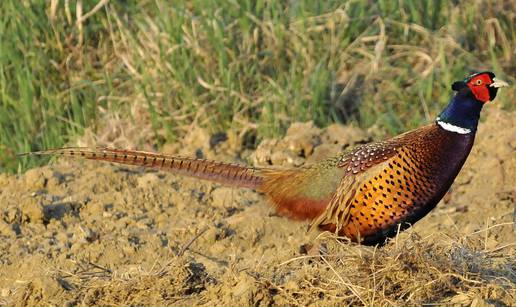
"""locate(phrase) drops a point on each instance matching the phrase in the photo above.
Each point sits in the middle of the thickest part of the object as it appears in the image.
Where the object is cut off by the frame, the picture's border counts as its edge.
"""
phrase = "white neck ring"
(453, 128)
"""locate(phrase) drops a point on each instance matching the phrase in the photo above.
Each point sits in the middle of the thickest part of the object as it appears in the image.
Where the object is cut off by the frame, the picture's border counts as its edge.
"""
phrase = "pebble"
(32, 210)
(222, 196)
(36, 178)
(61, 237)
(84, 234)
(12, 214)
(5, 292)
(162, 219)
(342, 135)
(77, 247)
(6, 230)
(147, 180)
(324, 151)
(4, 179)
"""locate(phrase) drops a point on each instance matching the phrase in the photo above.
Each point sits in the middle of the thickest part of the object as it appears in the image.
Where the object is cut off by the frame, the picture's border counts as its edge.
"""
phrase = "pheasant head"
(462, 113)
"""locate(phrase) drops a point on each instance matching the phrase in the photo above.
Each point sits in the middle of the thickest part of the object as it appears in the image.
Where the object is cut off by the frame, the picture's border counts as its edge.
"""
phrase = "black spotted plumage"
(408, 180)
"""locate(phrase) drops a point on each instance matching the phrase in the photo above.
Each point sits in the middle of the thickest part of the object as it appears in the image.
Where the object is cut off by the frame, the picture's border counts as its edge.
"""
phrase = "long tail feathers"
(225, 173)
(287, 189)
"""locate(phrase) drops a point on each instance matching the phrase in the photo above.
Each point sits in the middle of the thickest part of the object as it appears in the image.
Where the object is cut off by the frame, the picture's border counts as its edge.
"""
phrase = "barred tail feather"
(224, 173)
(296, 193)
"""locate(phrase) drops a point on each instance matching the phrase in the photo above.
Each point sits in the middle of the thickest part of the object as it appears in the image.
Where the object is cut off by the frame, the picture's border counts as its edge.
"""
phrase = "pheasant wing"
(359, 165)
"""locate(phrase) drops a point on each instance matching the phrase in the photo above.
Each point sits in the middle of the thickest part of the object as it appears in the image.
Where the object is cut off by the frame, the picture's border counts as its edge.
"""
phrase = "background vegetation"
(148, 70)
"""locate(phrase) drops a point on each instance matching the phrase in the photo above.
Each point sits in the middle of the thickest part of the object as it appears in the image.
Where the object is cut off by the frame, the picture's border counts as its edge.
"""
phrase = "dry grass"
(409, 270)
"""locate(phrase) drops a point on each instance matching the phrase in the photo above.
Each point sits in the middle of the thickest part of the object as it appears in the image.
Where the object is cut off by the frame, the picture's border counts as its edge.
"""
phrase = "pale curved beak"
(498, 83)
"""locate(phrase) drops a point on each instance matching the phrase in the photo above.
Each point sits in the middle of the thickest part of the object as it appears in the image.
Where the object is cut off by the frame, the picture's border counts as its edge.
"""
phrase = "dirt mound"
(92, 233)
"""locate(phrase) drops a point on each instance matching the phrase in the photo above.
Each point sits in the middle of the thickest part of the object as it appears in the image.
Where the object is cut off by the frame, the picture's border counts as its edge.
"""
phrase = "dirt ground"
(83, 233)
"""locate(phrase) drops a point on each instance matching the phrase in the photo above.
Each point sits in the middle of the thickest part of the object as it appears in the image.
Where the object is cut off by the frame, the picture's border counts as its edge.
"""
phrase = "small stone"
(285, 158)
(302, 128)
(32, 210)
(461, 299)
(313, 249)
(50, 287)
(293, 159)
(84, 235)
(61, 237)
(262, 154)
(128, 250)
(48, 234)
(4, 179)
(5, 292)
(344, 135)
(291, 286)
(147, 180)
(6, 229)
(324, 151)
(34, 179)
(210, 236)
(196, 138)
(222, 195)
(77, 247)
(244, 285)
(12, 214)
(162, 219)
(54, 181)
(301, 138)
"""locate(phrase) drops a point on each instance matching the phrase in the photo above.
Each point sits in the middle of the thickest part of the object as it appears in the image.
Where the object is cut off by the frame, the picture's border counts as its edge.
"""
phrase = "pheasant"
(366, 194)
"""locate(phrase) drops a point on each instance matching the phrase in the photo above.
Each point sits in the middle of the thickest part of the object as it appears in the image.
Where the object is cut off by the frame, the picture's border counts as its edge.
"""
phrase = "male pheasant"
(365, 194)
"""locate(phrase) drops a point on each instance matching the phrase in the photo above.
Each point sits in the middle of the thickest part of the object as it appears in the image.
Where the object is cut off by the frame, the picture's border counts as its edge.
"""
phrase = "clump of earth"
(86, 232)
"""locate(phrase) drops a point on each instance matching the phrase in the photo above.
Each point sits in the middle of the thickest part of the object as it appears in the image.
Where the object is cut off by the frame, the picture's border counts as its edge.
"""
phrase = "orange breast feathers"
(389, 196)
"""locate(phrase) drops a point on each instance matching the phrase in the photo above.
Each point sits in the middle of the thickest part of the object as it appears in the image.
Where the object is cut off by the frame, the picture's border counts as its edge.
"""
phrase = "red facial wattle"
(479, 86)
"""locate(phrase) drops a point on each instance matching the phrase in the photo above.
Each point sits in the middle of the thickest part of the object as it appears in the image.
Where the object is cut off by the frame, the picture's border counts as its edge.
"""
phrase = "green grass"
(234, 65)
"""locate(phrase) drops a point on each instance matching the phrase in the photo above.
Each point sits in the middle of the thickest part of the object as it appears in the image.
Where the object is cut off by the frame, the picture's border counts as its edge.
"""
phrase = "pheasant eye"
(478, 82)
